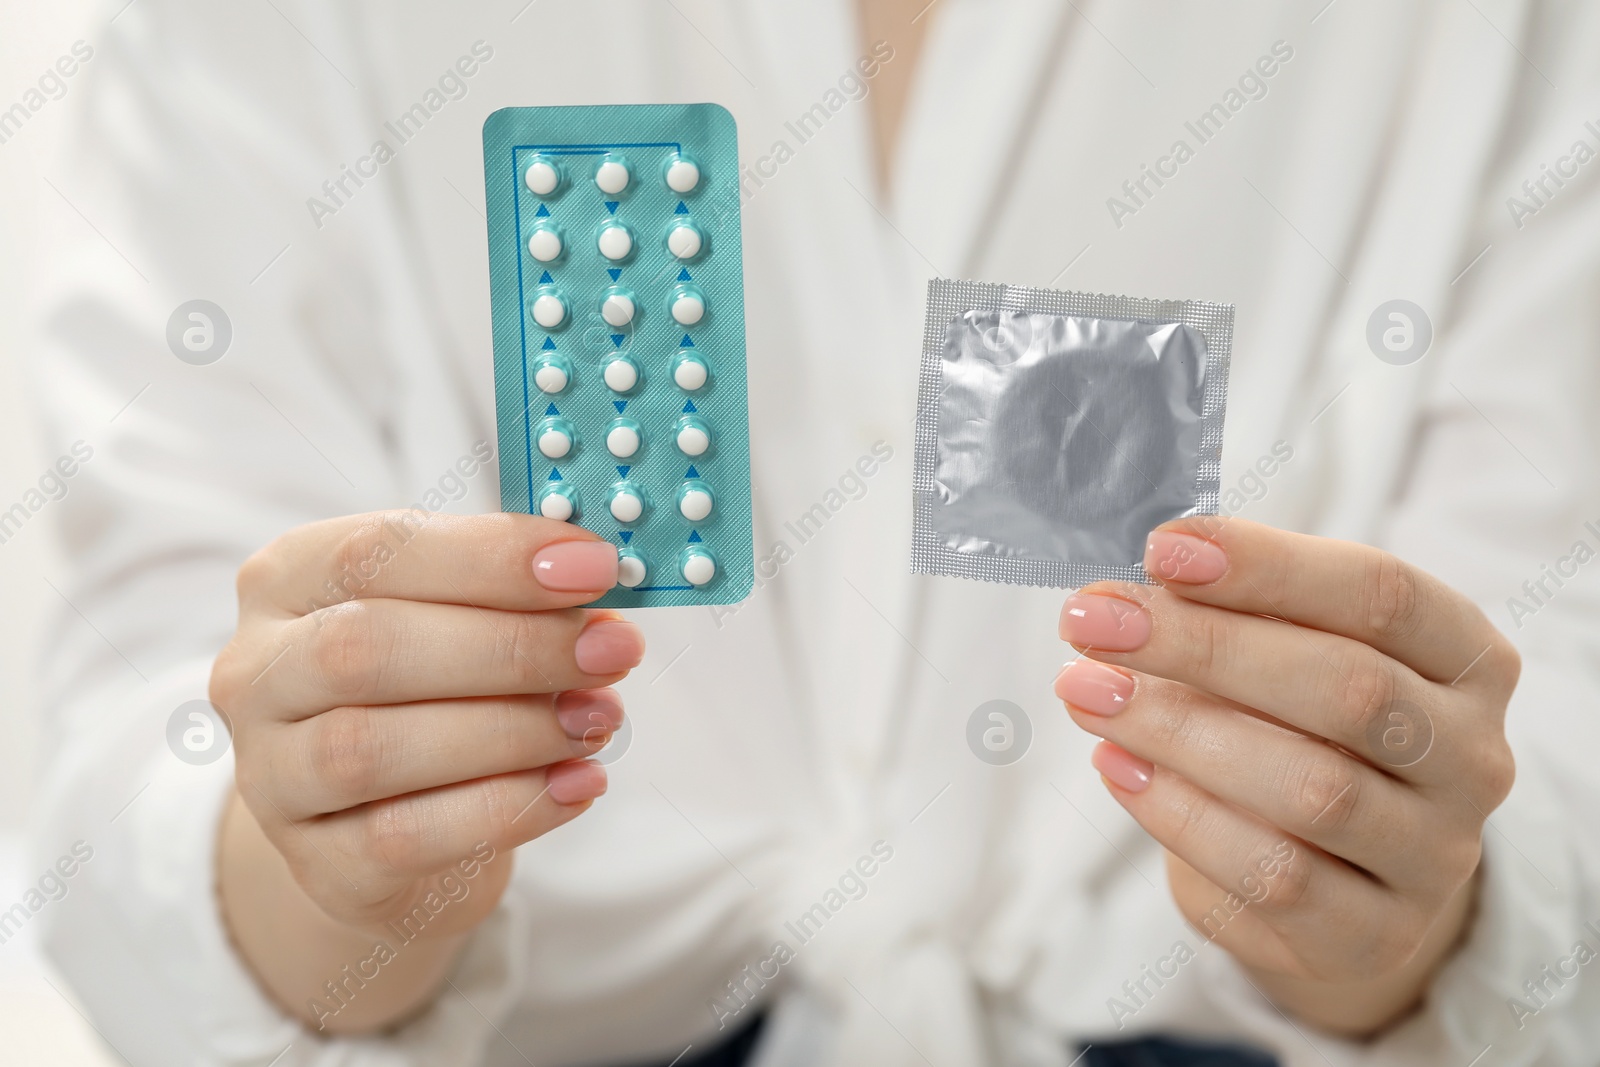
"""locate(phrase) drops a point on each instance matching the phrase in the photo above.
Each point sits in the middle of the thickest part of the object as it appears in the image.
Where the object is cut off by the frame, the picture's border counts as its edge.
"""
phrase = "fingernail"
(608, 646)
(589, 713)
(1094, 687)
(1178, 557)
(575, 782)
(576, 566)
(1104, 622)
(1122, 768)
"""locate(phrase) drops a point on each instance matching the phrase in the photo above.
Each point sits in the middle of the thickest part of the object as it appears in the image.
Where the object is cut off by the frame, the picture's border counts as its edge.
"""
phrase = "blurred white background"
(37, 1024)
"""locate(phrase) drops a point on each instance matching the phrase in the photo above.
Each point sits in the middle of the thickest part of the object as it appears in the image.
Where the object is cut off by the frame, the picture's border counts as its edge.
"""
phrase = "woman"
(794, 830)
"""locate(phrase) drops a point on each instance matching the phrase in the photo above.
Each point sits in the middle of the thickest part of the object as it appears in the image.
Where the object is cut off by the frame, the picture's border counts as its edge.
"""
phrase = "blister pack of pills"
(1055, 430)
(617, 290)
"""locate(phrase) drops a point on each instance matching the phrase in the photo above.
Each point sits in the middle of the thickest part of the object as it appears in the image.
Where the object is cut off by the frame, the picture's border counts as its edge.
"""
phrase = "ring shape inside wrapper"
(1055, 430)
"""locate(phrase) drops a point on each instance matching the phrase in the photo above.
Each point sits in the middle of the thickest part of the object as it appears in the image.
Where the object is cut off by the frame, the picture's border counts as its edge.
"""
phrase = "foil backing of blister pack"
(1056, 429)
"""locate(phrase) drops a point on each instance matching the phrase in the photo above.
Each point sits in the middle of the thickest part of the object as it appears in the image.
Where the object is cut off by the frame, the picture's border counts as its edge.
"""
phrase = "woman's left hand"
(1315, 732)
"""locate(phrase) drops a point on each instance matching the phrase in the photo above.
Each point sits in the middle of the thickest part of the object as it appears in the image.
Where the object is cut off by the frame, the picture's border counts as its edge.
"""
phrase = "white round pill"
(549, 310)
(542, 178)
(695, 504)
(682, 176)
(616, 242)
(688, 309)
(626, 507)
(693, 440)
(621, 375)
(622, 441)
(550, 378)
(689, 374)
(612, 177)
(556, 506)
(630, 570)
(617, 309)
(544, 245)
(554, 443)
(699, 568)
(684, 242)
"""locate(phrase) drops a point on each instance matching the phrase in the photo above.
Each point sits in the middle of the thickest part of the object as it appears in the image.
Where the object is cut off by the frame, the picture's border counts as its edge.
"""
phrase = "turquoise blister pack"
(617, 290)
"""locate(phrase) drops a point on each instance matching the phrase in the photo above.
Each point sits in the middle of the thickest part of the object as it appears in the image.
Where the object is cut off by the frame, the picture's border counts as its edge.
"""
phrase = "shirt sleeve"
(187, 176)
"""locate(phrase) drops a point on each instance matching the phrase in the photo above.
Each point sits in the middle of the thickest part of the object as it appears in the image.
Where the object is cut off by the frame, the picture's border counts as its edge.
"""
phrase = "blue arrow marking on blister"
(687, 342)
(555, 475)
(683, 275)
(542, 213)
(615, 272)
(545, 279)
(627, 535)
(694, 537)
(617, 339)
(680, 209)
(611, 206)
(551, 410)
(687, 408)
(624, 471)
(691, 472)
(619, 404)
(549, 344)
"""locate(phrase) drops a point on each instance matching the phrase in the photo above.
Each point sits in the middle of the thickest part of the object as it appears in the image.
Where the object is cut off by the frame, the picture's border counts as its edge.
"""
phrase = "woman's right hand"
(407, 696)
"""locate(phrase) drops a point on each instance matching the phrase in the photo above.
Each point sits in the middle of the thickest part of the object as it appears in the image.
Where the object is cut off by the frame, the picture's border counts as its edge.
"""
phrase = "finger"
(506, 561)
(382, 846)
(1327, 685)
(1341, 587)
(1309, 789)
(356, 755)
(1224, 916)
(1297, 890)
(401, 651)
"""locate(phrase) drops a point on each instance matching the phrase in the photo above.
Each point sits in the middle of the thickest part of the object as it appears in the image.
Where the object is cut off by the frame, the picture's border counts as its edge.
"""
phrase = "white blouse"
(781, 750)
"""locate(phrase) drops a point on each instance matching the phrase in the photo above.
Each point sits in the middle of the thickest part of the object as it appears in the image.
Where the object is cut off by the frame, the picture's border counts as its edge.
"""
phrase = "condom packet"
(1056, 429)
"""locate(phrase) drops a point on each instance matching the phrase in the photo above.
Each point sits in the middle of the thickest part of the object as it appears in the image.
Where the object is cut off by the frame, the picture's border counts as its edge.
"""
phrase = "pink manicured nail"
(576, 781)
(608, 646)
(576, 566)
(1122, 768)
(1104, 622)
(1178, 557)
(1094, 687)
(589, 713)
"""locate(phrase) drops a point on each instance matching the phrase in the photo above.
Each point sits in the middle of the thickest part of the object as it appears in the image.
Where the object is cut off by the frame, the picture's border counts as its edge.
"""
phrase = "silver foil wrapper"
(1056, 429)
